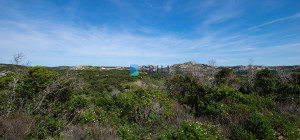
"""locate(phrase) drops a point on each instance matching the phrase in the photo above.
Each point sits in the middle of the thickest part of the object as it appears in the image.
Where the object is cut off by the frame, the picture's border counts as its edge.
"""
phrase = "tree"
(266, 82)
(212, 62)
(226, 77)
(16, 77)
(36, 80)
(295, 77)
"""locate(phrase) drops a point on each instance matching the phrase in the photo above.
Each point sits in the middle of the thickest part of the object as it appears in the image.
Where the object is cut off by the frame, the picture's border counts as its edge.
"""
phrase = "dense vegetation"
(38, 103)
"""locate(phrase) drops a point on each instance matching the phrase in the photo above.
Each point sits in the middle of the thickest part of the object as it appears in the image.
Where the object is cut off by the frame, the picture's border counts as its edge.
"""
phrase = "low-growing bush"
(240, 133)
(194, 130)
(260, 126)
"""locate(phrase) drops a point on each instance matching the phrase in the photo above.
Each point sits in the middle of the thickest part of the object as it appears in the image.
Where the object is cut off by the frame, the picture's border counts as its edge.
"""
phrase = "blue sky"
(158, 32)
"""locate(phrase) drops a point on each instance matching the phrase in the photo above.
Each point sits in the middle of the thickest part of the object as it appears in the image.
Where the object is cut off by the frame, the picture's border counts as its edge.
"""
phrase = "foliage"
(283, 127)
(5, 82)
(194, 130)
(260, 126)
(295, 78)
(266, 82)
(178, 87)
(143, 103)
(226, 77)
(242, 134)
(105, 103)
(126, 132)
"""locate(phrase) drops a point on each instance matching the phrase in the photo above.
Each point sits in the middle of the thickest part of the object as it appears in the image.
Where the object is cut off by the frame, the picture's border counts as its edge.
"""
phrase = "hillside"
(193, 101)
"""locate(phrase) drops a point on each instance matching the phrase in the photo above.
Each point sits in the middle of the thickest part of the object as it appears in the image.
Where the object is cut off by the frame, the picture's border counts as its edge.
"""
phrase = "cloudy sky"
(158, 32)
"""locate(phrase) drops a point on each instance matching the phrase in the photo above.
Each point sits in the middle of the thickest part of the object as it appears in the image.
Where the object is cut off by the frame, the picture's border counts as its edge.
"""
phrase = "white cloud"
(278, 20)
(42, 40)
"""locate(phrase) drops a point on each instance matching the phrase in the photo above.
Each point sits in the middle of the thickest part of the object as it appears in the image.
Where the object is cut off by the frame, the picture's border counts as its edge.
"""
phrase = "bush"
(77, 102)
(207, 99)
(246, 89)
(126, 132)
(143, 103)
(288, 93)
(178, 87)
(226, 77)
(295, 78)
(6, 81)
(87, 116)
(37, 79)
(49, 126)
(260, 126)
(283, 127)
(194, 130)
(266, 82)
(241, 134)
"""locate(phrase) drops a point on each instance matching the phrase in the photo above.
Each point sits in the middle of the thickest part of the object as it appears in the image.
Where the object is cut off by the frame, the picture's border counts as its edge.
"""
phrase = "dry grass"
(95, 131)
(180, 114)
(288, 108)
(15, 127)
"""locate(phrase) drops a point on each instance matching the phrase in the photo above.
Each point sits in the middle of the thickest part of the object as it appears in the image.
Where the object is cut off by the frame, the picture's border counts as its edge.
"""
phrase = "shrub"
(295, 78)
(37, 79)
(283, 127)
(49, 125)
(206, 99)
(103, 101)
(77, 102)
(241, 134)
(266, 82)
(194, 130)
(5, 82)
(126, 132)
(226, 77)
(260, 126)
(246, 89)
(87, 116)
(178, 87)
(142, 103)
(288, 93)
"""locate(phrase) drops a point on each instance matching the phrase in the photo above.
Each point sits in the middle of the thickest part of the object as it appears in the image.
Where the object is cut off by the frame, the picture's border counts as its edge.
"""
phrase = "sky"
(157, 32)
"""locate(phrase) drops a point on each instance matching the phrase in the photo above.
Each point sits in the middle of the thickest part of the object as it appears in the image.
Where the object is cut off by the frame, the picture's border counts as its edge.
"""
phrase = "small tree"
(266, 82)
(19, 70)
(226, 77)
(295, 78)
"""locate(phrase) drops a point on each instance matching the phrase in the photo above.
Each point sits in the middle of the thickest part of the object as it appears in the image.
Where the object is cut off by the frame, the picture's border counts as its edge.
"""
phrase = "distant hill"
(203, 68)
(181, 67)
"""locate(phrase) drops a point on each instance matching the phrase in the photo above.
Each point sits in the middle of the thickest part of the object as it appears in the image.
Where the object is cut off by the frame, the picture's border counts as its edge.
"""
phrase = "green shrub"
(77, 102)
(126, 132)
(295, 78)
(226, 77)
(266, 82)
(284, 127)
(206, 99)
(178, 87)
(142, 103)
(103, 101)
(260, 126)
(288, 93)
(240, 133)
(50, 126)
(246, 89)
(194, 130)
(6, 81)
(87, 116)
(37, 79)
(259, 102)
